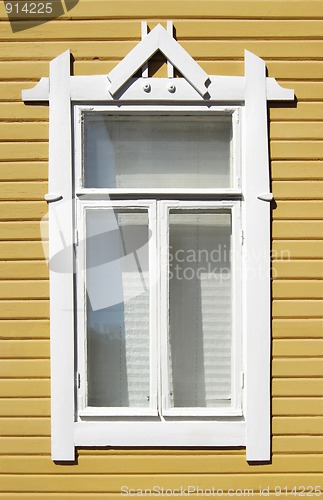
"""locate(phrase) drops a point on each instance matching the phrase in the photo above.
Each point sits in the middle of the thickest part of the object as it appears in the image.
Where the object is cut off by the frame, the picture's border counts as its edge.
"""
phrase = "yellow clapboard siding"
(18, 111)
(297, 425)
(95, 9)
(24, 171)
(37, 289)
(20, 230)
(297, 328)
(24, 349)
(297, 289)
(298, 308)
(298, 444)
(11, 329)
(23, 210)
(185, 29)
(113, 483)
(277, 69)
(298, 269)
(161, 463)
(11, 91)
(284, 387)
(30, 250)
(296, 150)
(25, 446)
(302, 111)
(206, 49)
(296, 170)
(297, 249)
(310, 91)
(296, 131)
(24, 407)
(24, 270)
(23, 131)
(298, 229)
(301, 190)
(297, 367)
(32, 368)
(25, 426)
(24, 309)
(23, 191)
(166, 463)
(24, 151)
(11, 388)
(297, 406)
(298, 210)
(303, 348)
(228, 49)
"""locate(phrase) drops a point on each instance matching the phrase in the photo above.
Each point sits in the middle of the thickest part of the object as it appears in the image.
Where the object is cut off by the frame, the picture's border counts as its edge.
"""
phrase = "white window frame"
(83, 409)
(219, 194)
(236, 409)
(251, 91)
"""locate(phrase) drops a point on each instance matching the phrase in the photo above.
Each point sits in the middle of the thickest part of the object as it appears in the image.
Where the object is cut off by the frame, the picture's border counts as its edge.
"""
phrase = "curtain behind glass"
(157, 151)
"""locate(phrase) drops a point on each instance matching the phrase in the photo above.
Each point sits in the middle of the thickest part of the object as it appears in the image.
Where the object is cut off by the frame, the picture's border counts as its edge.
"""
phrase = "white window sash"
(236, 354)
(84, 410)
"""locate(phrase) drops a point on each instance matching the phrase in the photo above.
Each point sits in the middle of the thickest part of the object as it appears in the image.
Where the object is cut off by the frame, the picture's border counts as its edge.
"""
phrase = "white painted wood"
(61, 283)
(170, 67)
(38, 93)
(161, 433)
(265, 196)
(236, 354)
(95, 88)
(257, 295)
(158, 39)
(51, 197)
(277, 93)
(82, 292)
(144, 33)
(254, 89)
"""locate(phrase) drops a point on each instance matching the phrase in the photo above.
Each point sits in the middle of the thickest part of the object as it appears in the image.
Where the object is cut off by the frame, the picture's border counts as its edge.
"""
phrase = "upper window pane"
(157, 151)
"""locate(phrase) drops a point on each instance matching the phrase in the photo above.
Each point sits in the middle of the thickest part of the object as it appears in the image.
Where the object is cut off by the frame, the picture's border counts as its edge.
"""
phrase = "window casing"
(215, 353)
(198, 91)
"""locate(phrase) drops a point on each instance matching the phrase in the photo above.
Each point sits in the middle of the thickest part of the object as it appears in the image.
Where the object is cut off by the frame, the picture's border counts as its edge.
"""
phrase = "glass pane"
(157, 151)
(200, 309)
(117, 284)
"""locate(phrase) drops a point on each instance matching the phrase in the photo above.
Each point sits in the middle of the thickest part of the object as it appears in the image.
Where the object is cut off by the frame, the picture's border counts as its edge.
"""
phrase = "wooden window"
(175, 209)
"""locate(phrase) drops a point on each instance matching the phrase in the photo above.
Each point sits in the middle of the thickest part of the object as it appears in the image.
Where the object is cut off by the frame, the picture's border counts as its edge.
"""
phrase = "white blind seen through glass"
(117, 283)
(157, 151)
(200, 316)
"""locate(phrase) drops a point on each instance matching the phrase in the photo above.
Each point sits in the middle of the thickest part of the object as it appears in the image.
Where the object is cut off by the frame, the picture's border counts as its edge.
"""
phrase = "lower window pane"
(117, 283)
(200, 314)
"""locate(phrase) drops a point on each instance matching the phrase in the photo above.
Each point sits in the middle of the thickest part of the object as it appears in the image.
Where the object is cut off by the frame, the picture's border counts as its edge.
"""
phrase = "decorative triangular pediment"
(158, 39)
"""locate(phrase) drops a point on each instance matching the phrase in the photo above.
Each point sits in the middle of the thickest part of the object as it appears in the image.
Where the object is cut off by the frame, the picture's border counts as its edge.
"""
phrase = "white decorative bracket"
(265, 196)
(51, 197)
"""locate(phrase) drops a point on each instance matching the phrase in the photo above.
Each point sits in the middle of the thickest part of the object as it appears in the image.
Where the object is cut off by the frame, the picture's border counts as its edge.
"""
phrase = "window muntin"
(157, 151)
